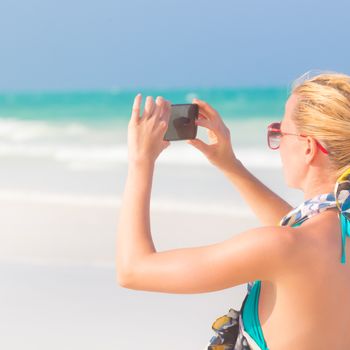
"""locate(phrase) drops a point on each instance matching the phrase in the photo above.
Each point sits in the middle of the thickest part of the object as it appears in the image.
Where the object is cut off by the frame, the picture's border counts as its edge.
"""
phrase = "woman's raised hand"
(219, 150)
(146, 132)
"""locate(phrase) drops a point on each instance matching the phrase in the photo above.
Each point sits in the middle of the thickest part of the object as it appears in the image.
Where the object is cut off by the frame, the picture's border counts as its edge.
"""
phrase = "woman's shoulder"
(319, 236)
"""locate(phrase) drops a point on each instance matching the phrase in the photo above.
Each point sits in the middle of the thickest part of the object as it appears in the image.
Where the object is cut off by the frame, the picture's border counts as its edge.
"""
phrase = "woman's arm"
(134, 240)
(261, 253)
(264, 253)
(145, 143)
(266, 204)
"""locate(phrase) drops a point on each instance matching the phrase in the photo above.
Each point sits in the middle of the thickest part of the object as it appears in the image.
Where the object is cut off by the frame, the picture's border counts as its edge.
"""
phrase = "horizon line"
(117, 90)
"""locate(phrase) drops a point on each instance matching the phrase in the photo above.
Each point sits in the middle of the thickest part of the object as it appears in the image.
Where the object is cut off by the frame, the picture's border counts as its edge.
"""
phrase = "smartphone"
(182, 122)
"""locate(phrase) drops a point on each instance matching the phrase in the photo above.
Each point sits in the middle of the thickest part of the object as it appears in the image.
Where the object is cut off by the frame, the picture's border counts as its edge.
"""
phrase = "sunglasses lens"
(274, 135)
(274, 141)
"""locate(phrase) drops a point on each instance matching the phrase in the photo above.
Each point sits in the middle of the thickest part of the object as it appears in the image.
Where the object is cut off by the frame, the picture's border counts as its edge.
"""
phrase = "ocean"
(90, 128)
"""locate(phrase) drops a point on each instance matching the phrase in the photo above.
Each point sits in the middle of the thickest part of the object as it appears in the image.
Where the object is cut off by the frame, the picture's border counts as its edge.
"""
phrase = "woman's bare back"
(309, 308)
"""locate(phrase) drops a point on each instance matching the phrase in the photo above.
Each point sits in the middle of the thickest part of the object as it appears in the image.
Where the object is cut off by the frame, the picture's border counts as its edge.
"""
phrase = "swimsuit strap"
(345, 230)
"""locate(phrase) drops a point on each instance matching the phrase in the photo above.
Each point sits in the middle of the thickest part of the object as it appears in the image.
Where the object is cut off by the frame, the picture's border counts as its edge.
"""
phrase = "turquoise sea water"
(90, 128)
(114, 106)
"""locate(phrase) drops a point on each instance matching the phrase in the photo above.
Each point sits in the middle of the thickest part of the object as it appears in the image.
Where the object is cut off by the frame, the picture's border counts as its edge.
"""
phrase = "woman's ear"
(310, 150)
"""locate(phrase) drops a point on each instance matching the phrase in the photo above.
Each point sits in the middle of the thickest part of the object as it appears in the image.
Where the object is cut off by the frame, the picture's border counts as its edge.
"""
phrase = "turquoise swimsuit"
(250, 314)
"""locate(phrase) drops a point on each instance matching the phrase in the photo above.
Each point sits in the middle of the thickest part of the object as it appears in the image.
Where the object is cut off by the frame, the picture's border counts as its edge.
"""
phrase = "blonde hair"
(323, 112)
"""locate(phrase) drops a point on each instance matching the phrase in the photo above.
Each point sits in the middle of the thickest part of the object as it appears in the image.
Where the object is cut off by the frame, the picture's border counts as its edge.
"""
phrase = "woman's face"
(292, 148)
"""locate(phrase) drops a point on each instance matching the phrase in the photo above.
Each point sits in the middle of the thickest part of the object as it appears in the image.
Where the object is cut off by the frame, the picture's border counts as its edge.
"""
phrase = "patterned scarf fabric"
(308, 209)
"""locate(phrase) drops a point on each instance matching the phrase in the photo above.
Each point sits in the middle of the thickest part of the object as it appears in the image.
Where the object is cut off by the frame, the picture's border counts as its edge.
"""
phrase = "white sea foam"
(110, 155)
(28, 130)
(83, 147)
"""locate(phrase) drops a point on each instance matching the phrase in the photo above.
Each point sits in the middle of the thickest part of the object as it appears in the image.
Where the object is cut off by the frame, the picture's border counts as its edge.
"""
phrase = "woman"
(300, 298)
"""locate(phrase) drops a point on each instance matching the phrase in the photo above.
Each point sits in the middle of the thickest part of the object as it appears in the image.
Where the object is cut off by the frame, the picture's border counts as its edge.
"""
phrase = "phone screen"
(182, 122)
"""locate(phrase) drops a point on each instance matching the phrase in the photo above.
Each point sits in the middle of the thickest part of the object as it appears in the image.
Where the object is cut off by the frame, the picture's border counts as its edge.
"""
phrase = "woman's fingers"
(209, 118)
(158, 107)
(149, 107)
(204, 107)
(135, 113)
(206, 123)
(158, 110)
(166, 111)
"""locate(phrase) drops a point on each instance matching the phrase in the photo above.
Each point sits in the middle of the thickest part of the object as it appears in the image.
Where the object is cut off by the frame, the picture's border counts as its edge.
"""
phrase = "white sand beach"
(57, 248)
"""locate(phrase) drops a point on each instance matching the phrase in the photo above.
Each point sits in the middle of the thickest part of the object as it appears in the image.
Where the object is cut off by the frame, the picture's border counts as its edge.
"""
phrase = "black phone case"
(182, 122)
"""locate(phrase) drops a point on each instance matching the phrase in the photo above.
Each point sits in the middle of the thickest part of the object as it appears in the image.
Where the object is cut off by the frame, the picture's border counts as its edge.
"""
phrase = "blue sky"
(104, 44)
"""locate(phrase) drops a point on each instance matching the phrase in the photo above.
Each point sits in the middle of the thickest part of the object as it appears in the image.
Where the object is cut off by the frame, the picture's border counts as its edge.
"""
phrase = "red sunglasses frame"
(276, 128)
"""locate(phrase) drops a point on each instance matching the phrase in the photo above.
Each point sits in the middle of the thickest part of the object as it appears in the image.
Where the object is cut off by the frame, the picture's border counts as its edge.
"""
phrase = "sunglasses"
(274, 135)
